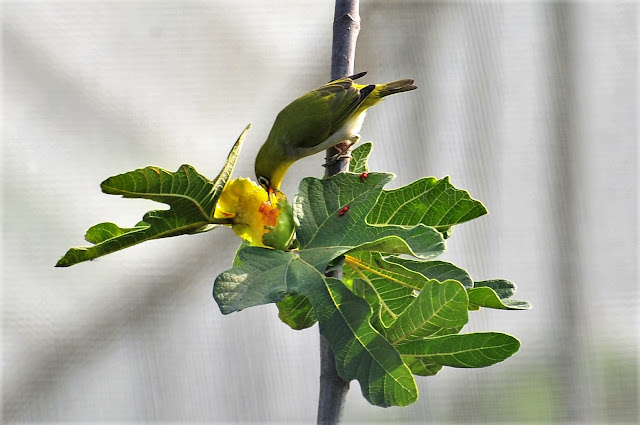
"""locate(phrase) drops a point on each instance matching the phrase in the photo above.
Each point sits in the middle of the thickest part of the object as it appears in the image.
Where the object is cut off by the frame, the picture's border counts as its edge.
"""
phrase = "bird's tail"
(395, 87)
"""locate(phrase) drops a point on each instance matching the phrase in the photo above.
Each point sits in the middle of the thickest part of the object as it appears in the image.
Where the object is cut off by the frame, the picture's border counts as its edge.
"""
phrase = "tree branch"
(346, 27)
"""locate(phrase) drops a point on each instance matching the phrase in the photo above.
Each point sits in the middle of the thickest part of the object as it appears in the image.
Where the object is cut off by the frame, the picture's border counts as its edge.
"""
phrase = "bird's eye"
(264, 182)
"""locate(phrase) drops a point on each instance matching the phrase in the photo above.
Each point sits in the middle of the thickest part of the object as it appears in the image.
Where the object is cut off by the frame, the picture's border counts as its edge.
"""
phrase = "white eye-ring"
(263, 181)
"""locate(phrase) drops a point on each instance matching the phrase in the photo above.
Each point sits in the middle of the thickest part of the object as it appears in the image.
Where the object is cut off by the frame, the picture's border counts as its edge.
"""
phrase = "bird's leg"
(343, 149)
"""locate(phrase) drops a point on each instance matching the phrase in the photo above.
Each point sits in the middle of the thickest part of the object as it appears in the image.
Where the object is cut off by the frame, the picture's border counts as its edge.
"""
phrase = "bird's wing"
(319, 114)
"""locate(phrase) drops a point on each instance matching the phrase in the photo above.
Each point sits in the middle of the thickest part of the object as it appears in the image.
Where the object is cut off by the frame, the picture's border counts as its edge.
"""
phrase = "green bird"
(320, 119)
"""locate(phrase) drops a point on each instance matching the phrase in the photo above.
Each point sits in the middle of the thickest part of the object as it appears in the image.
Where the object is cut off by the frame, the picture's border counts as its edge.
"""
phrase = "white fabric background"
(530, 106)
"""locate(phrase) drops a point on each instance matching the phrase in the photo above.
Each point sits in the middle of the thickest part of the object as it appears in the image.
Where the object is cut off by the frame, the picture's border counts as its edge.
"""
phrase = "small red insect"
(343, 210)
(364, 175)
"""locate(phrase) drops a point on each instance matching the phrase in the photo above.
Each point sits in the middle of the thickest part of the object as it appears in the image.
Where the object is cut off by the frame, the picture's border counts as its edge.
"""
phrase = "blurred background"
(530, 106)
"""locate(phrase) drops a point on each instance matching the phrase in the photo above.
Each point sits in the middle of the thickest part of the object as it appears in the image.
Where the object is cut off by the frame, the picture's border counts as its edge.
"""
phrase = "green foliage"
(322, 220)
(390, 317)
(297, 312)
(361, 352)
(495, 294)
(439, 270)
(429, 201)
(360, 158)
(439, 308)
(191, 197)
(465, 350)
(323, 234)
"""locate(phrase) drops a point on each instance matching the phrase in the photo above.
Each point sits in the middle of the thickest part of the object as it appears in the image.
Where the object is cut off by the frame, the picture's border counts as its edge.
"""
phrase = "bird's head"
(266, 185)
(264, 166)
(270, 171)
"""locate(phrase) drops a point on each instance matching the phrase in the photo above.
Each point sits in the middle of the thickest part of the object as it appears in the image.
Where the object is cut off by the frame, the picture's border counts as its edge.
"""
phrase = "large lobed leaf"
(191, 198)
(331, 213)
(429, 201)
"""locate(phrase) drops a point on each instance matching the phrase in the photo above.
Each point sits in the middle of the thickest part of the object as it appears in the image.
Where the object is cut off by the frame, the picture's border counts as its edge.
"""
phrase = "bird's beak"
(271, 192)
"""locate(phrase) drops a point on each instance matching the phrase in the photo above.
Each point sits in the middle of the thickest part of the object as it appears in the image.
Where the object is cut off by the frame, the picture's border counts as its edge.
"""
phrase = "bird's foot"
(330, 160)
(343, 152)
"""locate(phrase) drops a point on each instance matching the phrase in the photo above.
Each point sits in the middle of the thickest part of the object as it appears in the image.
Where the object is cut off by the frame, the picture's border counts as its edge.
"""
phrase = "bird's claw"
(344, 152)
(330, 160)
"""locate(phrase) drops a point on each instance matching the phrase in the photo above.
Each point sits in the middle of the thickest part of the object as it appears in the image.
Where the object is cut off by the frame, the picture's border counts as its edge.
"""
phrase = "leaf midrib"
(357, 338)
(428, 321)
(170, 195)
